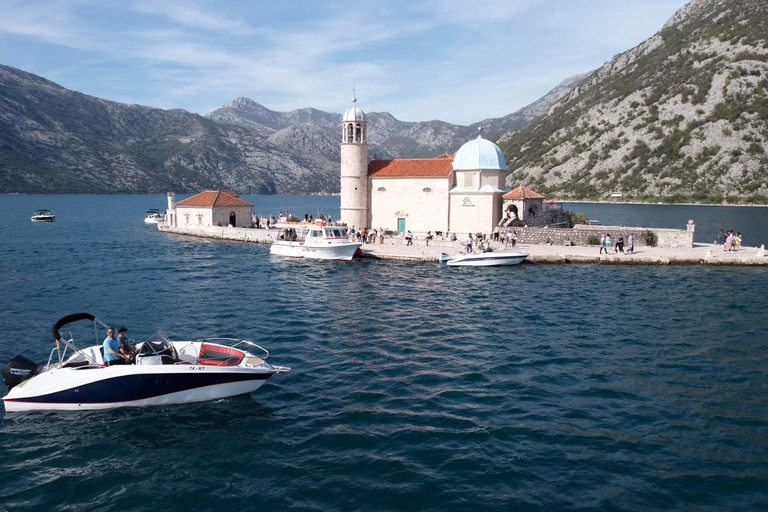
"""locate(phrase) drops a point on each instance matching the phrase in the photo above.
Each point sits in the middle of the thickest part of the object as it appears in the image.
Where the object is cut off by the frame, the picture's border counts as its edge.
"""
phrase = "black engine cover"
(17, 370)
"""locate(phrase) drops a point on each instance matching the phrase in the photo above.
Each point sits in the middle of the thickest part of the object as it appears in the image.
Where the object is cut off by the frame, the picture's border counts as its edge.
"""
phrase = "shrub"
(579, 218)
(650, 238)
(593, 241)
(293, 218)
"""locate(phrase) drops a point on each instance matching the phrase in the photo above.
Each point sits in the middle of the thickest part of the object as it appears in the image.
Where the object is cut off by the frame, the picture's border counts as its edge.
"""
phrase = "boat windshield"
(157, 344)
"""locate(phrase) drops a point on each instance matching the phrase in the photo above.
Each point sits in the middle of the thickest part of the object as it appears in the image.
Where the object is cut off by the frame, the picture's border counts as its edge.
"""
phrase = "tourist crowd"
(730, 240)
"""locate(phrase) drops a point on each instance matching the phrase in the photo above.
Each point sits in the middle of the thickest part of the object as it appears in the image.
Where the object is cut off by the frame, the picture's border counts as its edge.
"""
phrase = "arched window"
(381, 189)
(359, 134)
(426, 189)
(350, 136)
(467, 202)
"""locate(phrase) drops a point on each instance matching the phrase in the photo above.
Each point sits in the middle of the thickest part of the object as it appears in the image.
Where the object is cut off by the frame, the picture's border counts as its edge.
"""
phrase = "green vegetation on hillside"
(686, 119)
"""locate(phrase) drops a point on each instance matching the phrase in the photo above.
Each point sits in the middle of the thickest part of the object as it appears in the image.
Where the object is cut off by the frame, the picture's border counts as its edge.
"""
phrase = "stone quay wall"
(253, 235)
(582, 234)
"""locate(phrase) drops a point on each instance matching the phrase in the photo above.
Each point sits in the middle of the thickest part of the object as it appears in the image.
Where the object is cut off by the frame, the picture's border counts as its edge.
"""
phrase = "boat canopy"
(75, 317)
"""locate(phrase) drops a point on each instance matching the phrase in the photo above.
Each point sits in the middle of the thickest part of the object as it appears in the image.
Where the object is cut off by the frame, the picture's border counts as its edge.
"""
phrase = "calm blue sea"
(415, 387)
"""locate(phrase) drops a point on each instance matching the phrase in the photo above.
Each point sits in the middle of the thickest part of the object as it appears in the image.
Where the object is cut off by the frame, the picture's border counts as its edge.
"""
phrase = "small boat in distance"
(317, 240)
(484, 259)
(158, 372)
(43, 216)
(154, 216)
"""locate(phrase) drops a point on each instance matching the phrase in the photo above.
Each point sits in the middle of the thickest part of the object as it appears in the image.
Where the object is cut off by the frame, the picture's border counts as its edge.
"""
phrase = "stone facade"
(421, 203)
(581, 235)
(199, 217)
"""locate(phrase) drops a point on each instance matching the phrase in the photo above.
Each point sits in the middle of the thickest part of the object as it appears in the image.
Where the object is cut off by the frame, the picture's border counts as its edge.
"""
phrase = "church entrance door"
(233, 219)
(401, 226)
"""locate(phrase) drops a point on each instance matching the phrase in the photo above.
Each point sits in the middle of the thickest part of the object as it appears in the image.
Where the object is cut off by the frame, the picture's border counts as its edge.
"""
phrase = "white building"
(449, 194)
(210, 208)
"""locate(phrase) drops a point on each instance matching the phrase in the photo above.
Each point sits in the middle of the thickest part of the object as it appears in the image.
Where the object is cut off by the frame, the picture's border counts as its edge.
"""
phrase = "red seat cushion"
(217, 355)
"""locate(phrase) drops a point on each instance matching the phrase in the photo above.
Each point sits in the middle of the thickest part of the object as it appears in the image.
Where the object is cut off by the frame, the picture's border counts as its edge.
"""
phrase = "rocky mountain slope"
(684, 115)
(56, 140)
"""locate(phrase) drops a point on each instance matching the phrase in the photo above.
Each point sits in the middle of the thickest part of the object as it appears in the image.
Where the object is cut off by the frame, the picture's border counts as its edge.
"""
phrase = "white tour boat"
(43, 216)
(318, 240)
(154, 216)
(484, 259)
(160, 372)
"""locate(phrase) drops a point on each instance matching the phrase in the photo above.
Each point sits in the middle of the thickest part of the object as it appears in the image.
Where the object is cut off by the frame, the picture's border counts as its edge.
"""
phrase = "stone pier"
(395, 248)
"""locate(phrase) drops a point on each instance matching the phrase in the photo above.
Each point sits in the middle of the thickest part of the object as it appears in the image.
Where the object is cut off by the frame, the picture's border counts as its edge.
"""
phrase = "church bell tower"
(354, 168)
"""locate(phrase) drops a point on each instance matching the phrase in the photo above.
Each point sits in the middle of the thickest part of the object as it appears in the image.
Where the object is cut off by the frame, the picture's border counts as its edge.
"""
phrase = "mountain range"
(53, 140)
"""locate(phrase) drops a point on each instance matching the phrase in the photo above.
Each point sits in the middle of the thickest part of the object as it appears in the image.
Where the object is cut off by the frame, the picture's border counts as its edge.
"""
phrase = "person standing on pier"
(408, 238)
(602, 245)
(469, 243)
(631, 244)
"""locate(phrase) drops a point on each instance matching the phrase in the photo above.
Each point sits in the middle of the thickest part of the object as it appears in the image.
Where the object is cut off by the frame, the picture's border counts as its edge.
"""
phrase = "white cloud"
(191, 15)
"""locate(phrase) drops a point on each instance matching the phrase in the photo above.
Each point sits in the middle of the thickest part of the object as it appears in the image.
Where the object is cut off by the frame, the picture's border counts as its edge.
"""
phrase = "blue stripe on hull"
(140, 387)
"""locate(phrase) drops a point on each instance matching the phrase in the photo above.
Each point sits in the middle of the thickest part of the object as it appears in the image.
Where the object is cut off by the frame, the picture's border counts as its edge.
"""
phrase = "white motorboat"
(317, 240)
(161, 372)
(43, 216)
(484, 259)
(154, 216)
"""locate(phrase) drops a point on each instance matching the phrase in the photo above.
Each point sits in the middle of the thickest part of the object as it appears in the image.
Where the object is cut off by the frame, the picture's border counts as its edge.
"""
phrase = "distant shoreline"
(578, 201)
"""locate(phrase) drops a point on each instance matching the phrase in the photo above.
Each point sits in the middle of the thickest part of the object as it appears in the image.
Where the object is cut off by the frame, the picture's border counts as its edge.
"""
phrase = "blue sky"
(460, 61)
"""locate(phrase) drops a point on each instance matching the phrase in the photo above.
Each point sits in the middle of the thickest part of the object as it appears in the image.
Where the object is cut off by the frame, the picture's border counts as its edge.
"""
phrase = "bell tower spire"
(354, 167)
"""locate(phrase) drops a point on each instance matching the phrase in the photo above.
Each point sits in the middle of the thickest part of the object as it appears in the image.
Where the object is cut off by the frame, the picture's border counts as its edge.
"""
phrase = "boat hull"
(487, 259)
(69, 389)
(337, 251)
(46, 218)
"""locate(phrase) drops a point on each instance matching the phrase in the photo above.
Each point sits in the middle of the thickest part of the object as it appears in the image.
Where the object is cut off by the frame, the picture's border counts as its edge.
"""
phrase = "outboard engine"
(17, 370)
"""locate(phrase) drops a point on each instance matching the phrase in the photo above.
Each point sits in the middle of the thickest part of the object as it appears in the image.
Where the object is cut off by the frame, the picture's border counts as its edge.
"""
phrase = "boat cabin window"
(343, 233)
(315, 232)
(328, 233)
(337, 233)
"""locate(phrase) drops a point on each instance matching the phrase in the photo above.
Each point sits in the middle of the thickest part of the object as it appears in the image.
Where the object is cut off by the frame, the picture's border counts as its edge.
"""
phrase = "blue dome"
(479, 154)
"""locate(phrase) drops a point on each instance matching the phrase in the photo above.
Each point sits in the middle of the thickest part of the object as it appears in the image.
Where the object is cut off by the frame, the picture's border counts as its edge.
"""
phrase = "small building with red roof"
(210, 208)
(523, 204)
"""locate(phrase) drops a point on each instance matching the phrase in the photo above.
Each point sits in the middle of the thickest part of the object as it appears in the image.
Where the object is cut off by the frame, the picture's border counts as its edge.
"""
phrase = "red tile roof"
(523, 193)
(439, 167)
(211, 198)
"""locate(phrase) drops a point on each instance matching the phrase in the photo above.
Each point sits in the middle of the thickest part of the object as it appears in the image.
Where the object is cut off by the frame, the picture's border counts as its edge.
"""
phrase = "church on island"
(462, 193)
